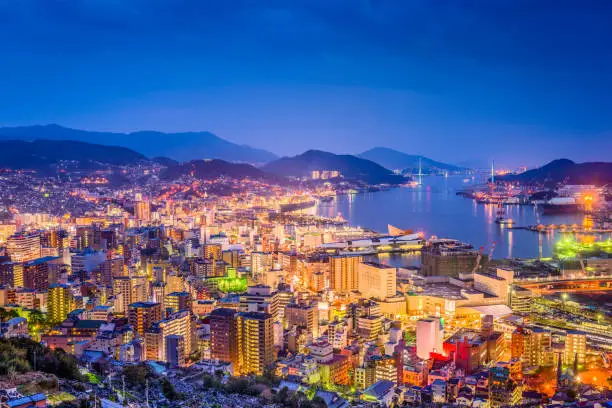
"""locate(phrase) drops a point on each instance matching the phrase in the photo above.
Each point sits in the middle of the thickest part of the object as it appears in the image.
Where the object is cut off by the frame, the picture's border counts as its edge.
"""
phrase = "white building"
(429, 337)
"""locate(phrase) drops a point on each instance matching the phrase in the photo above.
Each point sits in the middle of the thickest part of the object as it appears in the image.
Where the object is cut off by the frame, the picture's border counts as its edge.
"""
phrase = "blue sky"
(521, 81)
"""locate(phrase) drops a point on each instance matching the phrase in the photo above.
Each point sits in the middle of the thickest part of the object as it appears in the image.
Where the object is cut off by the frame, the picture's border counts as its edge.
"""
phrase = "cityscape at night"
(305, 204)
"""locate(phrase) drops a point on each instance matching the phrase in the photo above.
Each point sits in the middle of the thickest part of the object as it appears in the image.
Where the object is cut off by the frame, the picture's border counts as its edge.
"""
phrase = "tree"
(210, 382)
(281, 396)
(37, 323)
(136, 375)
(169, 391)
(6, 315)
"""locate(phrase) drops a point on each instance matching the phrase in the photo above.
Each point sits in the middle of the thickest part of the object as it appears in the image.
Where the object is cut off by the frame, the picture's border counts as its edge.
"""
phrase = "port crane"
(493, 244)
(480, 253)
(478, 259)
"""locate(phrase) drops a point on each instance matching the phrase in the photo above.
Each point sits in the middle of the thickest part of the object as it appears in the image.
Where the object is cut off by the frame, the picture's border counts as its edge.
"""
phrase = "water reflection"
(435, 209)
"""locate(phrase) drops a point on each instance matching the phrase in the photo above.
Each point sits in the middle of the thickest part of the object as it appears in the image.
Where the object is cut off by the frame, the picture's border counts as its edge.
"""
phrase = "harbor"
(434, 207)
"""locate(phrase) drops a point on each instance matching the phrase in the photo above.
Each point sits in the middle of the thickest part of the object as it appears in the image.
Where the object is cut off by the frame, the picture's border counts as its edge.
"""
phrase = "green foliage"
(297, 400)
(6, 315)
(211, 382)
(268, 378)
(24, 355)
(241, 386)
(136, 375)
(169, 391)
(236, 385)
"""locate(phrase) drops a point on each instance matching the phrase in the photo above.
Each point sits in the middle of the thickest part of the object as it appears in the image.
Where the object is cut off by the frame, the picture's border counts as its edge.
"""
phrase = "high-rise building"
(255, 342)
(224, 335)
(386, 368)
(179, 324)
(122, 291)
(175, 350)
(60, 302)
(85, 237)
(574, 353)
(109, 269)
(261, 262)
(158, 293)
(203, 268)
(260, 298)
(503, 391)
(108, 239)
(306, 316)
(344, 273)
(288, 262)
(369, 326)
(23, 247)
(142, 210)
(429, 337)
(337, 334)
(36, 274)
(143, 315)
(7, 273)
(87, 261)
(536, 348)
(231, 257)
(377, 280)
(177, 301)
(55, 238)
(211, 251)
(521, 300)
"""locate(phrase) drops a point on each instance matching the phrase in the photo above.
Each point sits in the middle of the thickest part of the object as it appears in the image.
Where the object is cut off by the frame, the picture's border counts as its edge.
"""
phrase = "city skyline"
(489, 79)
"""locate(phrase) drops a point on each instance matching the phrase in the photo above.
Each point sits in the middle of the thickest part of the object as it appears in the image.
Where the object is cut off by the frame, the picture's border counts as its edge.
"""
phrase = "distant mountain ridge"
(44, 155)
(210, 169)
(351, 167)
(396, 160)
(560, 170)
(182, 146)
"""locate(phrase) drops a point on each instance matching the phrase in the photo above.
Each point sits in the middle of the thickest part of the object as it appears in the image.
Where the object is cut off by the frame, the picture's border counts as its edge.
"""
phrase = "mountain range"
(178, 146)
(394, 159)
(44, 155)
(350, 167)
(565, 170)
(210, 169)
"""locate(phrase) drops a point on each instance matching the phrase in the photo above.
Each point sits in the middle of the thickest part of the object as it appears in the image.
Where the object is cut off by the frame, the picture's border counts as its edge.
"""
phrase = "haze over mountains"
(185, 146)
(394, 159)
(47, 157)
(178, 146)
(48, 145)
(351, 167)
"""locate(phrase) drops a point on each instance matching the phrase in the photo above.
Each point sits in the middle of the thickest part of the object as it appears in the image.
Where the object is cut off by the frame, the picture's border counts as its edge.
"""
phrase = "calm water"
(435, 209)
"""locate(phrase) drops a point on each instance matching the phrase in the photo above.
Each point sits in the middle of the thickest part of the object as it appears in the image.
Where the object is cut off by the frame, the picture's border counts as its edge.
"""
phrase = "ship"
(501, 215)
(561, 205)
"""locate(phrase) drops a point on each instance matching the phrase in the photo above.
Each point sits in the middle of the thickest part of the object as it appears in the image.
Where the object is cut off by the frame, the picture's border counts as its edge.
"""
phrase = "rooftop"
(29, 400)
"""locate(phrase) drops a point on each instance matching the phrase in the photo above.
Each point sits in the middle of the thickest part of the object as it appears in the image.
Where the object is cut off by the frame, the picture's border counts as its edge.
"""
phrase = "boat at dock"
(561, 205)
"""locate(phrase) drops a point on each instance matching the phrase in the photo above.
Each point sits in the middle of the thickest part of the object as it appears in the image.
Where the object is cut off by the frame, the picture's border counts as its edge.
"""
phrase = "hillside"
(178, 146)
(351, 167)
(393, 159)
(210, 169)
(598, 173)
(44, 155)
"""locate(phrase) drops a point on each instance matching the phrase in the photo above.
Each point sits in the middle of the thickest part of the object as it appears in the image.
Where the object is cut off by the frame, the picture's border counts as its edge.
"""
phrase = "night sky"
(521, 81)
